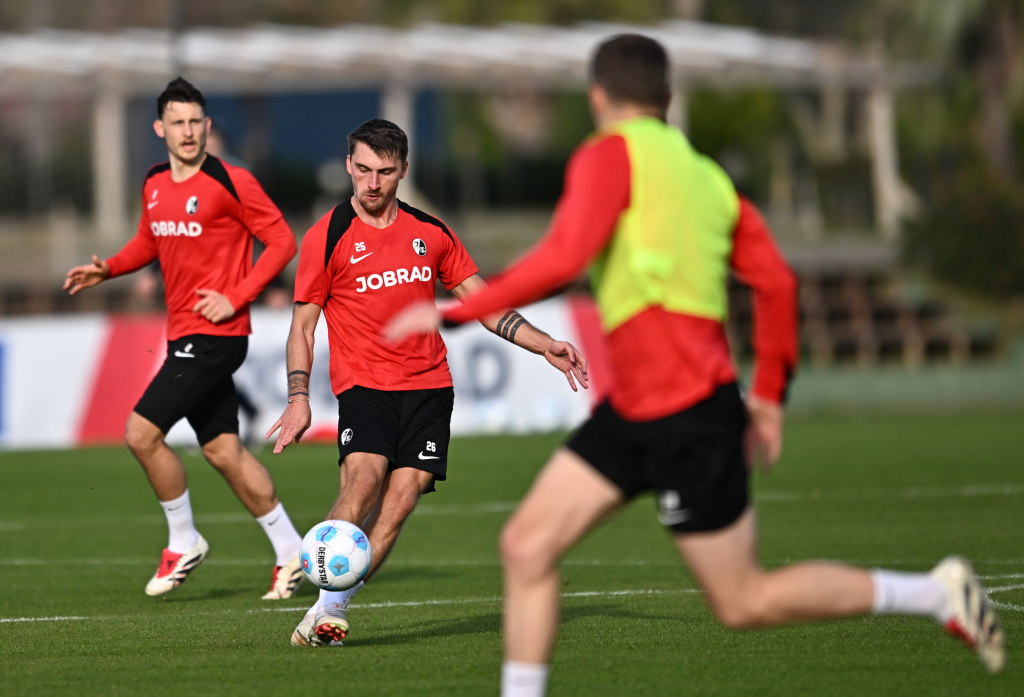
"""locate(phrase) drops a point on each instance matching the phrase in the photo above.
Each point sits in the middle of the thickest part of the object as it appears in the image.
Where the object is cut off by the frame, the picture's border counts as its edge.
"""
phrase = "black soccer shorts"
(411, 428)
(693, 459)
(195, 383)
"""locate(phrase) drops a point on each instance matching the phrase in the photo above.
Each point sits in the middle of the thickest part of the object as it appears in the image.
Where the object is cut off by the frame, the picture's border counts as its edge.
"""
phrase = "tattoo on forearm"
(298, 383)
(505, 321)
(515, 327)
(509, 325)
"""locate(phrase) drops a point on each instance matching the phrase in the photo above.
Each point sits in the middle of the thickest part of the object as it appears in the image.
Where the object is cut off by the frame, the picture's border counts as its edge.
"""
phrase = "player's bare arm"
(86, 276)
(423, 317)
(213, 306)
(513, 328)
(297, 416)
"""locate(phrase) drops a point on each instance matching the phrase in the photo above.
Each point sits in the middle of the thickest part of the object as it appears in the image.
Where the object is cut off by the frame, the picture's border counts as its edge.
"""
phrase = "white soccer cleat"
(174, 568)
(285, 581)
(973, 618)
(304, 634)
(322, 626)
(331, 625)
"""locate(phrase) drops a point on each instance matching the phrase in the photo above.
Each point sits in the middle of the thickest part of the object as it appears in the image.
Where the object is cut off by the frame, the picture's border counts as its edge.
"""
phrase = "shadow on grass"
(432, 629)
(491, 622)
(215, 594)
(407, 574)
(610, 611)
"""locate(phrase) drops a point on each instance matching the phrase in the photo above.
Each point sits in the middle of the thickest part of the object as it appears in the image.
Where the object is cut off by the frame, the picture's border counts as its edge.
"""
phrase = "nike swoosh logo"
(149, 206)
(181, 354)
(355, 260)
(429, 457)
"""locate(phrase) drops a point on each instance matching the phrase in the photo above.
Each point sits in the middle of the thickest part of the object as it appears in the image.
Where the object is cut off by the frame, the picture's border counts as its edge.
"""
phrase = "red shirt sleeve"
(758, 263)
(263, 220)
(139, 251)
(258, 211)
(312, 284)
(596, 193)
(455, 264)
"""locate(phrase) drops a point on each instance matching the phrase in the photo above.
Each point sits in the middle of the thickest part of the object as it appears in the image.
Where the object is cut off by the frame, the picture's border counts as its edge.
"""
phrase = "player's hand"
(763, 439)
(565, 357)
(293, 424)
(418, 318)
(87, 276)
(214, 306)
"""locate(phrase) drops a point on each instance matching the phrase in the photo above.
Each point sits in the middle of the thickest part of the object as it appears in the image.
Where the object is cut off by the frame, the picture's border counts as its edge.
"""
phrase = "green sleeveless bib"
(672, 245)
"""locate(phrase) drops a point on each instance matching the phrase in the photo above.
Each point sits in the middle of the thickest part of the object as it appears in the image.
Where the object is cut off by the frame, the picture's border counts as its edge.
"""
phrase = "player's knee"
(363, 482)
(141, 437)
(511, 547)
(735, 616)
(523, 554)
(405, 502)
(741, 610)
(222, 453)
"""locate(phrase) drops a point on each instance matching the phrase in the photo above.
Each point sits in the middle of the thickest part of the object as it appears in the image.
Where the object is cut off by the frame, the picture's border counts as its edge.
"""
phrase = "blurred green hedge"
(972, 234)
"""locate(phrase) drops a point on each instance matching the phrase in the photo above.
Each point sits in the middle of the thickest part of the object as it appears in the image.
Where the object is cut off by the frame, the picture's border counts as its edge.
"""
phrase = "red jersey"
(361, 276)
(201, 229)
(661, 362)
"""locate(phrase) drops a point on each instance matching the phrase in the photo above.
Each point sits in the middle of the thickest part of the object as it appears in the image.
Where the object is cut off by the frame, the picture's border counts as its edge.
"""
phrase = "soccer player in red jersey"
(360, 264)
(199, 217)
(663, 225)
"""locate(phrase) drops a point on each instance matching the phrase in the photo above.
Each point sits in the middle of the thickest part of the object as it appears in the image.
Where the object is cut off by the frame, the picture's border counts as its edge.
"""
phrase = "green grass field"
(80, 534)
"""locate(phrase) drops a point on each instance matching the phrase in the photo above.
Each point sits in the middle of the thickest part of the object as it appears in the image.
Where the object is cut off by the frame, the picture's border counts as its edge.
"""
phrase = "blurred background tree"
(961, 141)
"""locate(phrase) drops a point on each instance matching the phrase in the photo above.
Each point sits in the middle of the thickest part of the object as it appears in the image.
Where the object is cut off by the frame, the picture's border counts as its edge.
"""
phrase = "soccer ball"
(335, 555)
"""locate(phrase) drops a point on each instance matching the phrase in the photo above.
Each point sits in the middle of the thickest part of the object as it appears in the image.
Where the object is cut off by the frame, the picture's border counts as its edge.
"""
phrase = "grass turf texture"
(80, 534)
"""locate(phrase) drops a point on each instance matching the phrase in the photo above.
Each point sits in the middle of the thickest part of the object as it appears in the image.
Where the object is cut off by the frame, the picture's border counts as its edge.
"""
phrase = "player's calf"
(246, 475)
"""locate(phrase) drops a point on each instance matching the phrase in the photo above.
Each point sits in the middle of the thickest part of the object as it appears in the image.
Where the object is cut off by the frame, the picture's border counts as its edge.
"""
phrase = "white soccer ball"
(335, 555)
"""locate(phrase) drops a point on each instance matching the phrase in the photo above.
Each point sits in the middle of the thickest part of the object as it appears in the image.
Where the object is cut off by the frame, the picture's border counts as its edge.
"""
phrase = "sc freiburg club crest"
(419, 246)
(192, 206)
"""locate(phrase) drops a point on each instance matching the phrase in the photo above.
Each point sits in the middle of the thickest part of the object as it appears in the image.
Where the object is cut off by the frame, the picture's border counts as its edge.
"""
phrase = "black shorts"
(411, 428)
(195, 383)
(693, 459)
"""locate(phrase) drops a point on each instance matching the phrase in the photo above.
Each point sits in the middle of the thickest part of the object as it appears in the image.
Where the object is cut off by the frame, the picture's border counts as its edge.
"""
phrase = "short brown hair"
(632, 68)
(383, 137)
(179, 90)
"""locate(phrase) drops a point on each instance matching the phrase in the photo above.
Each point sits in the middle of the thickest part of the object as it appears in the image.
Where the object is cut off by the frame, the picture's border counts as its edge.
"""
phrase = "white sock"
(282, 534)
(341, 597)
(183, 533)
(523, 679)
(899, 593)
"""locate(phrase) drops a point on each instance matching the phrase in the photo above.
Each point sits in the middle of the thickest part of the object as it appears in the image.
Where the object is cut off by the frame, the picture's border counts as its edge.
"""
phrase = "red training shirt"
(201, 229)
(361, 276)
(662, 362)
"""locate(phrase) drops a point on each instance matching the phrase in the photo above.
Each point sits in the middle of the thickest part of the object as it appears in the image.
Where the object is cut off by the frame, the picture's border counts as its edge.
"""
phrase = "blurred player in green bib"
(661, 227)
